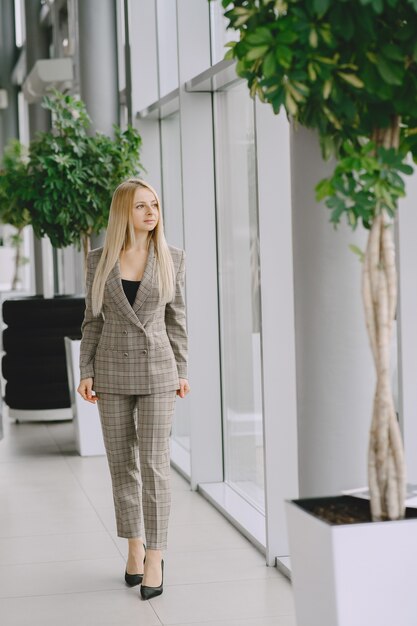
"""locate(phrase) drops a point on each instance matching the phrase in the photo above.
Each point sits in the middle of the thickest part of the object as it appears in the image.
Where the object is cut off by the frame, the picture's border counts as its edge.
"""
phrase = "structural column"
(8, 117)
(335, 372)
(37, 47)
(99, 86)
(98, 62)
(407, 324)
(200, 217)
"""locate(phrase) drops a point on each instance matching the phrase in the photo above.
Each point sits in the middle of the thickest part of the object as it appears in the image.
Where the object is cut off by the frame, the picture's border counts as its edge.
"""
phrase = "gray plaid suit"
(136, 355)
(140, 349)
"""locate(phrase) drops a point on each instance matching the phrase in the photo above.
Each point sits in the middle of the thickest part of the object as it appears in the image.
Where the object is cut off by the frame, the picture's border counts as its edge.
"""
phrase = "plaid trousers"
(137, 428)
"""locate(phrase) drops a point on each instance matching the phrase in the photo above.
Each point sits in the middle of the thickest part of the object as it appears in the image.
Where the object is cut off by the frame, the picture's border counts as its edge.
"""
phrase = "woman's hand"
(185, 388)
(85, 389)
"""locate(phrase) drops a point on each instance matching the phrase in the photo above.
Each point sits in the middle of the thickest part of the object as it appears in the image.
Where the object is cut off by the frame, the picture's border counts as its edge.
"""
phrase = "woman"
(134, 351)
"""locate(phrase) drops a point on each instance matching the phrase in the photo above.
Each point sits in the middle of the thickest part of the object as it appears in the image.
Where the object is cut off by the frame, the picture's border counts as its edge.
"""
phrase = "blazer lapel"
(115, 286)
(147, 279)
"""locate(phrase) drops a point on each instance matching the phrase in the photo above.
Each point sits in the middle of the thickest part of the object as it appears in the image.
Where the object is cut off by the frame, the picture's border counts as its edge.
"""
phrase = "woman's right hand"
(85, 389)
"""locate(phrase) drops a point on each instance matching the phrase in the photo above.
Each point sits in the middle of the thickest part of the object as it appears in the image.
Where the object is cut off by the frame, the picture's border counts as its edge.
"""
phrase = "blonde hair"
(120, 235)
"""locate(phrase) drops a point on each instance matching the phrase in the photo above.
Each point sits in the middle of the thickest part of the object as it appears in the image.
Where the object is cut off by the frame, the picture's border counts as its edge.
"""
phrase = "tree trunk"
(86, 247)
(386, 464)
(18, 243)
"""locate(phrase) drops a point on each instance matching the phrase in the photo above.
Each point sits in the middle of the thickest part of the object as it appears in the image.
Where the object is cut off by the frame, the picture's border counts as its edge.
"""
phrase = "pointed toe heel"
(134, 579)
(151, 592)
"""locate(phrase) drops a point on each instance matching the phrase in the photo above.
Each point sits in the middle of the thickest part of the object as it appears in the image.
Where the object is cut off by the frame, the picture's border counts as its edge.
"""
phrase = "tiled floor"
(61, 561)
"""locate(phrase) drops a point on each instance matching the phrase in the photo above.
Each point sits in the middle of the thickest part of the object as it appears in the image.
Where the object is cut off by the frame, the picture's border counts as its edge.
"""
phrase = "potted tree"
(349, 71)
(73, 173)
(66, 185)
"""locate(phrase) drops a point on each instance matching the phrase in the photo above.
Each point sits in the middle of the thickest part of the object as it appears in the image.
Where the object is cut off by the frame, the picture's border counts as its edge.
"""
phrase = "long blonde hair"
(120, 234)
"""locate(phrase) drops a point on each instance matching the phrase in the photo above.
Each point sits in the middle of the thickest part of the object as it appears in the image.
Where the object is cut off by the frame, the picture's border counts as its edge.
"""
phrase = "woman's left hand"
(185, 388)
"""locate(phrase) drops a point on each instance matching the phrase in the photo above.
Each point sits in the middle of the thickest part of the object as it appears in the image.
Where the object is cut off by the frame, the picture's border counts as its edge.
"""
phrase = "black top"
(130, 288)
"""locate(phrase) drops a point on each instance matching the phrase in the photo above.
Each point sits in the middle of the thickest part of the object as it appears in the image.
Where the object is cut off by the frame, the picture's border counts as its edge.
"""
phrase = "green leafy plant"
(348, 69)
(14, 191)
(73, 173)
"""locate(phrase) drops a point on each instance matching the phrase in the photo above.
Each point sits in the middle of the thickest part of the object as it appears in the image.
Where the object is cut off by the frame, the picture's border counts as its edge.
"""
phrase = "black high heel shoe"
(134, 579)
(150, 592)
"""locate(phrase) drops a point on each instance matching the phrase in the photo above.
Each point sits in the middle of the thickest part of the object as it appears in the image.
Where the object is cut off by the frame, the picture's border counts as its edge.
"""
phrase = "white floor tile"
(62, 547)
(188, 506)
(213, 535)
(281, 620)
(178, 482)
(181, 604)
(101, 608)
(40, 501)
(61, 561)
(26, 450)
(49, 522)
(40, 579)
(183, 568)
(100, 496)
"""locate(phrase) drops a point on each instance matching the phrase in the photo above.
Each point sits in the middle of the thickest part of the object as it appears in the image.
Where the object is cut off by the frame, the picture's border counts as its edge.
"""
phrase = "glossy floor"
(61, 561)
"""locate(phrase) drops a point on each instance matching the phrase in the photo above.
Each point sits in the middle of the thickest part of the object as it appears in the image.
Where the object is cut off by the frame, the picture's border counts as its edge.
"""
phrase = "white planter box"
(88, 432)
(361, 574)
(7, 263)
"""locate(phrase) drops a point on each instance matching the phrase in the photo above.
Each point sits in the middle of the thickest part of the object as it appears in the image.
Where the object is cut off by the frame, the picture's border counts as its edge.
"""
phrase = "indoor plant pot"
(352, 574)
(33, 363)
(88, 433)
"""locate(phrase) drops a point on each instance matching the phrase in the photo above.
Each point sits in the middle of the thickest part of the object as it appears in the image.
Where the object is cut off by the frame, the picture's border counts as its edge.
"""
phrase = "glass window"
(174, 232)
(143, 53)
(19, 21)
(171, 179)
(121, 44)
(239, 284)
(167, 46)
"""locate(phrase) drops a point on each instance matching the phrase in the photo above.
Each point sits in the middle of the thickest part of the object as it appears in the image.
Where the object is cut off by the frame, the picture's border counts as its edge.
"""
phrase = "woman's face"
(145, 210)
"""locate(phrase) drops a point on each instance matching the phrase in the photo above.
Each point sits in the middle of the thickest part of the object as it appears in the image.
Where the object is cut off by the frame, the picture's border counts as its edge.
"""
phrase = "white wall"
(335, 372)
(407, 323)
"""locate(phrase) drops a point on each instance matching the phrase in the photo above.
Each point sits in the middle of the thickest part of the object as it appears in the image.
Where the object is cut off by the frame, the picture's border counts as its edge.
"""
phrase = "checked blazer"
(139, 349)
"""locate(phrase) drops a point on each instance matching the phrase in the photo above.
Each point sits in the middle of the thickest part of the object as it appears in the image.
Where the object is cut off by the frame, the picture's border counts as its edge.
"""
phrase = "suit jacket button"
(125, 353)
(144, 351)
(125, 332)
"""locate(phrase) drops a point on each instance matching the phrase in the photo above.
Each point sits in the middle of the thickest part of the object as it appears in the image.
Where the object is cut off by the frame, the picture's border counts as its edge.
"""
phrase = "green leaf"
(332, 118)
(298, 97)
(290, 104)
(323, 189)
(378, 6)
(287, 36)
(405, 168)
(393, 52)
(313, 38)
(327, 88)
(312, 74)
(339, 208)
(259, 37)
(357, 251)
(321, 6)
(256, 53)
(269, 65)
(283, 55)
(390, 72)
(353, 80)
(326, 35)
(241, 20)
